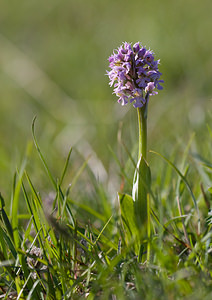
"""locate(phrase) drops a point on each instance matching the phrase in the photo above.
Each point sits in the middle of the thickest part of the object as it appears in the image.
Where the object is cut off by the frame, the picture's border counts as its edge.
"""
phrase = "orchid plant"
(135, 77)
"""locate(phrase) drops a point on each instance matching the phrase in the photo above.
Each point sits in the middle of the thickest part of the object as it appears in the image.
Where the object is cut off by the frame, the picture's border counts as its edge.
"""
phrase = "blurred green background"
(53, 61)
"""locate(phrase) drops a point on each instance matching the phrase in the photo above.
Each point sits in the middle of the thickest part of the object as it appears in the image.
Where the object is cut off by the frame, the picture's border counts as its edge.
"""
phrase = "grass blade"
(65, 167)
(185, 182)
(41, 155)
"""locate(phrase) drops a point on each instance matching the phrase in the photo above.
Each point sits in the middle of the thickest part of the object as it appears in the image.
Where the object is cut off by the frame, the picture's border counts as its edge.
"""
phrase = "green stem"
(143, 205)
(142, 125)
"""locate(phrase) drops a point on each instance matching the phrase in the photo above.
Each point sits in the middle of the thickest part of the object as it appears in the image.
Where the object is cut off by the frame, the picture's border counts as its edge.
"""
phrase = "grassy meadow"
(67, 148)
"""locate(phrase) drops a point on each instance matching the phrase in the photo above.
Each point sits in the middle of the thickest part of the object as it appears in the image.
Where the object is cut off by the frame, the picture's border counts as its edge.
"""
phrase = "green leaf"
(15, 204)
(7, 223)
(141, 186)
(129, 218)
(5, 217)
(2, 201)
(9, 243)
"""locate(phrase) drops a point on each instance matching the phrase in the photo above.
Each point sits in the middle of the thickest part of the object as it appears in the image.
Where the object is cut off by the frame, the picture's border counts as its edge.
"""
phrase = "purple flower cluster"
(134, 74)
